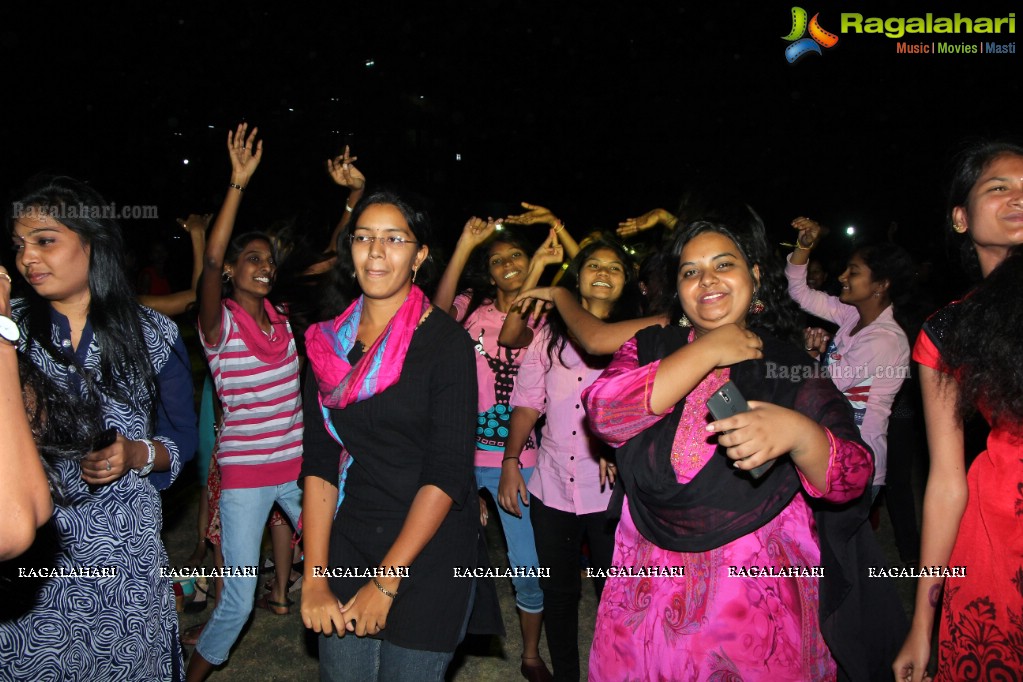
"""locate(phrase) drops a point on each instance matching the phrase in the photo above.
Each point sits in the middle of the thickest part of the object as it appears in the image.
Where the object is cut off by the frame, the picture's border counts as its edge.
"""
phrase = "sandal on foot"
(278, 608)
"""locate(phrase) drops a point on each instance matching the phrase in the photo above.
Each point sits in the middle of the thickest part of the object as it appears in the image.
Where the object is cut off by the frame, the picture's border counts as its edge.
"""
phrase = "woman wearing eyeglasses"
(390, 499)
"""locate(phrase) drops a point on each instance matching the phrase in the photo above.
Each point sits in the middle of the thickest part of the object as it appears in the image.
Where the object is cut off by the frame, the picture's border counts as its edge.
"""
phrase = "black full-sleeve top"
(417, 432)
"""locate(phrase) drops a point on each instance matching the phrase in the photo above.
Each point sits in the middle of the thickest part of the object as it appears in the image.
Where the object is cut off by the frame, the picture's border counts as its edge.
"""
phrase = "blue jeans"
(365, 659)
(518, 533)
(243, 514)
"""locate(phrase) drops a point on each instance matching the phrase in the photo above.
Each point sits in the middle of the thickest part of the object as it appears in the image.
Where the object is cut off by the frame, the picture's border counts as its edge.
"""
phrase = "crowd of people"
(706, 432)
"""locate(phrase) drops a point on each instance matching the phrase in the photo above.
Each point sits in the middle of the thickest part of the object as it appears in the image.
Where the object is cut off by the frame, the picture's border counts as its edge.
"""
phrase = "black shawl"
(861, 620)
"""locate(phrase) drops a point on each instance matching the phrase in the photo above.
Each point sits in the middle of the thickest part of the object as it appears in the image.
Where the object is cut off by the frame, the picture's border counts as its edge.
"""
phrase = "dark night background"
(599, 110)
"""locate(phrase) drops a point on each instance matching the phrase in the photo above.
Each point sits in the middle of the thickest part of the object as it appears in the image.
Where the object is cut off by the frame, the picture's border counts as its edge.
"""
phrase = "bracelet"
(800, 247)
(380, 587)
(348, 208)
(237, 187)
(560, 227)
(515, 457)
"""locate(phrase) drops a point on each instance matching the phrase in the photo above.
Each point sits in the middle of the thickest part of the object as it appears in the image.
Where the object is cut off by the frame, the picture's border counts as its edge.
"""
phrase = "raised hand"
(195, 223)
(245, 153)
(476, 231)
(344, 173)
(534, 214)
(551, 252)
(633, 226)
(809, 232)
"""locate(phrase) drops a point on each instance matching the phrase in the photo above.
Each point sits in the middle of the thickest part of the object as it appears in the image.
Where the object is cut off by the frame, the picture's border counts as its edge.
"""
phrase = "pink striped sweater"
(260, 440)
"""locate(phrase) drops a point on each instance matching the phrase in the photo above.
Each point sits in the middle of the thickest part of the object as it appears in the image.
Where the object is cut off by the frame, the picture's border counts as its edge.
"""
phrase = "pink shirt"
(567, 474)
(260, 442)
(868, 367)
(708, 623)
(496, 369)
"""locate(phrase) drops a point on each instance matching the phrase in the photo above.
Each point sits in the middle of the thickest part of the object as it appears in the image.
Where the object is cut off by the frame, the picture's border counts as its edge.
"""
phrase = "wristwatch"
(150, 461)
(9, 331)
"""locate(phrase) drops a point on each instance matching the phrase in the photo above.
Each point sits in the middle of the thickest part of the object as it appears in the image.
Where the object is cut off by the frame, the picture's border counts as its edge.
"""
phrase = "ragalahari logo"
(801, 46)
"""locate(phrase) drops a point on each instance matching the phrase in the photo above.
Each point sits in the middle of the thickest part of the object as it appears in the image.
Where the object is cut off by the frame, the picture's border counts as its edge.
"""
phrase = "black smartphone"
(726, 402)
(104, 439)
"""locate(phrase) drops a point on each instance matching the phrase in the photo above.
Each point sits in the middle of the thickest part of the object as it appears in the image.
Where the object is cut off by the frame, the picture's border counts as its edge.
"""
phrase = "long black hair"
(63, 424)
(891, 262)
(982, 348)
(113, 311)
(968, 164)
(626, 307)
(743, 226)
(476, 278)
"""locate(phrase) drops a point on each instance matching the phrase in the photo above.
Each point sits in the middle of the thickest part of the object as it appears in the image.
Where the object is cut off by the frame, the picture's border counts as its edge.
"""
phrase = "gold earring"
(959, 227)
(415, 271)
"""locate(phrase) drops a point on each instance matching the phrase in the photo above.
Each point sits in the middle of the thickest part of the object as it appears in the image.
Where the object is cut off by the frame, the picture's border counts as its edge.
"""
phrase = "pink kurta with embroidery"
(709, 625)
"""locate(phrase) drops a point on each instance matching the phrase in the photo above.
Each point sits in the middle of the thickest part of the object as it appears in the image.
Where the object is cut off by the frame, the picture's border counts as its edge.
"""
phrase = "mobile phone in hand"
(726, 402)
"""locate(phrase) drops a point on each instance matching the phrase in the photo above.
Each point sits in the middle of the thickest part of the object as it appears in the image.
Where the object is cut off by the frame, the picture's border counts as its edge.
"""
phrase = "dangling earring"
(684, 321)
(225, 276)
(415, 271)
(756, 306)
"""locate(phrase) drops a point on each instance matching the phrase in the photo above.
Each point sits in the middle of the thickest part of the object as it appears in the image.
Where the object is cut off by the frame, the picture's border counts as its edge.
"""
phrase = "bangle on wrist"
(236, 186)
(380, 587)
(800, 247)
(514, 457)
(559, 228)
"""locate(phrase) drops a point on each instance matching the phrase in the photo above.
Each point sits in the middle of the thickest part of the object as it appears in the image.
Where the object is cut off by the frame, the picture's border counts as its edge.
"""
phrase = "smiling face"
(715, 283)
(252, 273)
(602, 277)
(52, 258)
(385, 271)
(507, 265)
(993, 214)
(858, 285)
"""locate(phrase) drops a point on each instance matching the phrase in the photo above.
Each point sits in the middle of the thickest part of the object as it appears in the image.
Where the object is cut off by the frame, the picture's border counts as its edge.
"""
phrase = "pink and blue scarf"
(339, 383)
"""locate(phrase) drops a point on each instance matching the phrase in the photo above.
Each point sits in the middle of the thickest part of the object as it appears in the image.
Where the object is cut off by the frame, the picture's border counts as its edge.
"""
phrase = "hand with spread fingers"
(245, 153)
(534, 214)
(630, 227)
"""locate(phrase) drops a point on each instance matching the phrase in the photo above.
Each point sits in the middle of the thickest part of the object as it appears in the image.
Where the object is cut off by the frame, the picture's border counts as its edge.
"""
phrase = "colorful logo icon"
(801, 46)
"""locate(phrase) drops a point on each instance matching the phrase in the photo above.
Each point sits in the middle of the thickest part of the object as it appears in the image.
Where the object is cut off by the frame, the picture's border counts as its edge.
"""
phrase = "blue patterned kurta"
(122, 627)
